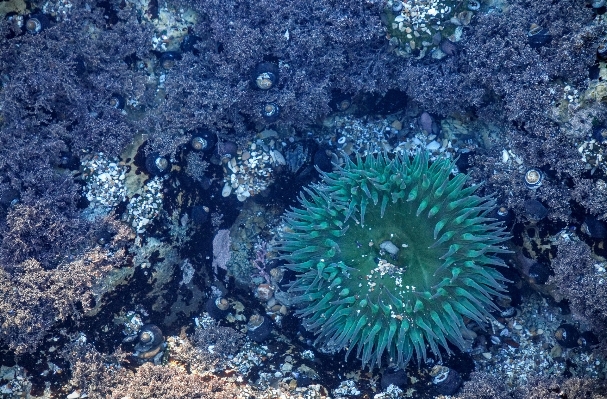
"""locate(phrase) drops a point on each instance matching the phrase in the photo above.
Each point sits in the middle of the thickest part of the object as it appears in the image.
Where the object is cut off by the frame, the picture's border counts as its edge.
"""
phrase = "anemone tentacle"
(391, 255)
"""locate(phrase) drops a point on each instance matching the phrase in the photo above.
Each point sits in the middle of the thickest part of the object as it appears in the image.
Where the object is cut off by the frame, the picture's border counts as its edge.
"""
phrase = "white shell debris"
(389, 247)
(227, 190)
(433, 145)
(250, 171)
(144, 207)
(104, 181)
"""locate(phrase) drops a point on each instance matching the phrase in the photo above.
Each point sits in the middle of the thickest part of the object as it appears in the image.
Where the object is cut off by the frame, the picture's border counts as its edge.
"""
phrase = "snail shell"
(150, 341)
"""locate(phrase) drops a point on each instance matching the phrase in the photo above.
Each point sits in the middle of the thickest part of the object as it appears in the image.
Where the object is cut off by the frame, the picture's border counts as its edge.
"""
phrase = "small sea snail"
(567, 336)
(600, 134)
(259, 328)
(203, 140)
(266, 75)
(227, 148)
(199, 214)
(149, 342)
(508, 312)
(276, 274)
(264, 292)
(474, 5)
(103, 237)
(36, 23)
(217, 307)
(270, 112)
(539, 273)
(594, 228)
(396, 377)
(446, 381)
(117, 101)
(188, 43)
(167, 60)
(535, 210)
(588, 340)
(341, 102)
(533, 178)
(156, 165)
(538, 36)
(503, 214)
(198, 143)
(397, 6)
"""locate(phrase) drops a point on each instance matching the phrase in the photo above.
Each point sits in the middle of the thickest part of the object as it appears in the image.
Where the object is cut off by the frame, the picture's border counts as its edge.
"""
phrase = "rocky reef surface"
(181, 217)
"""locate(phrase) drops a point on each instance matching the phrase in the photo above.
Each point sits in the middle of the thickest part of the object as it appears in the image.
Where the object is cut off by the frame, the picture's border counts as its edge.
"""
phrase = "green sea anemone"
(391, 255)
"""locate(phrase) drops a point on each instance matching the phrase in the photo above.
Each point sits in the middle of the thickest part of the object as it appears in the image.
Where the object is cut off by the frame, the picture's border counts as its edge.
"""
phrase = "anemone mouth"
(391, 255)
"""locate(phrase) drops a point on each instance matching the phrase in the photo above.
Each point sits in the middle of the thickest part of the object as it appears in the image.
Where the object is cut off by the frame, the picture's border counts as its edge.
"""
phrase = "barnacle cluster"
(251, 170)
(170, 24)
(417, 27)
(105, 187)
(370, 135)
(144, 207)
(593, 151)
(391, 254)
